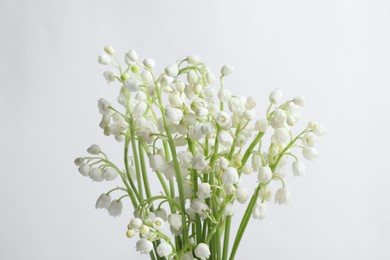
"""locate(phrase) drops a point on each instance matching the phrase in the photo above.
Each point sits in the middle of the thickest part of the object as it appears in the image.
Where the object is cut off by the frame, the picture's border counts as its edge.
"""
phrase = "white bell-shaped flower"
(172, 70)
(278, 118)
(104, 59)
(156, 162)
(282, 196)
(276, 96)
(109, 174)
(242, 195)
(204, 191)
(132, 55)
(103, 202)
(115, 208)
(109, 75)
(280, 137)
(229, 210)
(265, 174)
(299, 101)
(84, 169)
(144, 246)
(96, 174)
(227, 70)
(261, 125)
(94, 149)
(164, 249)
(168, 169)
(199, 162)
(158, 223)
(225, 138)
(135, 223)
(174, 115)
(202, 251)
(224, 95)
(259, 211)
(310, 153)
(298, 168)
(175, 221)
(198, 206)
(149, 63)
(230, 176)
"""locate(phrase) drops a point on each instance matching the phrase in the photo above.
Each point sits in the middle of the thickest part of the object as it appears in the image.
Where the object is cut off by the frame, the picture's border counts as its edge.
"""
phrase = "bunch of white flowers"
(199, 143)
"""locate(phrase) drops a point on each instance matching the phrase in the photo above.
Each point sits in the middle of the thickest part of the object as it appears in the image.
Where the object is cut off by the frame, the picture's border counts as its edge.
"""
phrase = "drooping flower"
(309, 153)
(204, 191)
(103, 202)
(298, 168)
(229, 176)
(174, 115)
(175, 221)
(259, 211)
(144, 246)
(202, 251)
(282, 196)
(115, 208)
(164, 249)
(265, 174)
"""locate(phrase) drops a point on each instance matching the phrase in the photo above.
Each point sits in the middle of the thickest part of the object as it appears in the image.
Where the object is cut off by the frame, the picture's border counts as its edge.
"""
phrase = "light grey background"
(336, 53)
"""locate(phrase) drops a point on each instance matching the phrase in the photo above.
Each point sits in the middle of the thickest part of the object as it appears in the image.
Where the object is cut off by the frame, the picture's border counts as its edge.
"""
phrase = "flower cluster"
(199, 142)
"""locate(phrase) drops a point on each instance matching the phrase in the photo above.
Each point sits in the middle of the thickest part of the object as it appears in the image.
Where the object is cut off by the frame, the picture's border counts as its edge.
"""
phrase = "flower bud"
(135, 223)
(109, 50)
(84, 169)
(192, 77)
(276, 96)
(94, 149)
(149, 63)
(109, 75)
(164, 249)
(309, 153)
(79, 161)
(282, 196)
(242, 195)
(115, 208)
(130, 233)
(202, 251)
(204, 191)
(298, 168)
(144, 230)
(299, 101)
(227, 70)
(144, 246)
(230, 175)
(265, 174)
(103, 202)
(109, 174)
(172, 70)
(104, 59)
(174, 115)
(210, 77)
(132, 55)
(193, 59)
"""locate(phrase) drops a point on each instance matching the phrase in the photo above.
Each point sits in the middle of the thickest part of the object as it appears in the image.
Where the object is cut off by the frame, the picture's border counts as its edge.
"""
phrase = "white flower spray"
(199, 143)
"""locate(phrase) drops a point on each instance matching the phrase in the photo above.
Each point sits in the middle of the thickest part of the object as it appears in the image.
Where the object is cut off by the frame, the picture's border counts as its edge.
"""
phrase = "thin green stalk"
(144, 171)
(126, 159)
(250, 149)
(136, 159)
(244, 222)
(228, 221)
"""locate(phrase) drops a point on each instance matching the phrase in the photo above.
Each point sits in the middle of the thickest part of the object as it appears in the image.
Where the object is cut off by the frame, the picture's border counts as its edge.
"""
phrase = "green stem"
(144, 172)
(249, 150)
(226, 238)
(244, 222)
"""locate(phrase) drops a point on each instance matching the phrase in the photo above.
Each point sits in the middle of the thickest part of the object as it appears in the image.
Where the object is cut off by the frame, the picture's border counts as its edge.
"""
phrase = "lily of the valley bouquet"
(200, 143)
